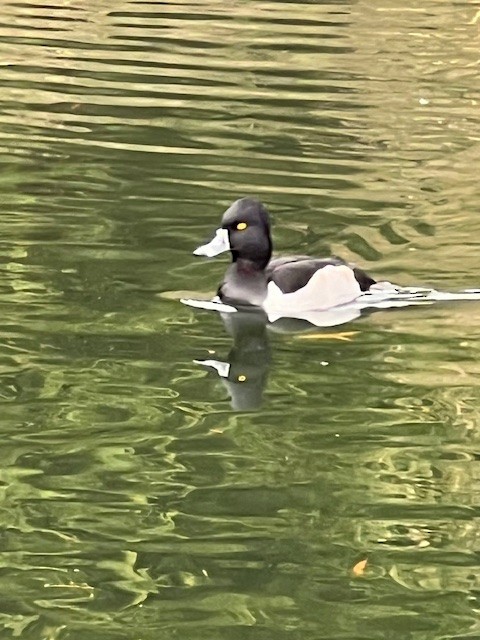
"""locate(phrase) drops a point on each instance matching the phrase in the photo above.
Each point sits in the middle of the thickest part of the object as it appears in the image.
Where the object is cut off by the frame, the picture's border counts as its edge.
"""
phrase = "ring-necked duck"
(298, 282)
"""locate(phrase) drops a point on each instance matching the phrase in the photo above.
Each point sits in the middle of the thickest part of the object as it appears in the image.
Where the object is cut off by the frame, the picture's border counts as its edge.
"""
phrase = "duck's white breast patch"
(328, 287)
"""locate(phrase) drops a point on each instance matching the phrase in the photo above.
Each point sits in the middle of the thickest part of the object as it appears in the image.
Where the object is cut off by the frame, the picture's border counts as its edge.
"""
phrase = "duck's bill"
(222, 368)
(219, 244)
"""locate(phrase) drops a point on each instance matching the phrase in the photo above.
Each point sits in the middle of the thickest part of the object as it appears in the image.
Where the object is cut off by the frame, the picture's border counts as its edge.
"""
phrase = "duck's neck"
(245, 283)
(248, 267)
(253, 258)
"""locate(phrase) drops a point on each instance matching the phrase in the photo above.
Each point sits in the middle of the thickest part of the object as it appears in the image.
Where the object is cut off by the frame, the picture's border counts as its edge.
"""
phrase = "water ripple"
(134, 499)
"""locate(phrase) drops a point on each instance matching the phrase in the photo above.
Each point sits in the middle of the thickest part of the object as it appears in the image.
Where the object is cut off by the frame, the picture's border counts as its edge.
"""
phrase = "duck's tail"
(386, 294)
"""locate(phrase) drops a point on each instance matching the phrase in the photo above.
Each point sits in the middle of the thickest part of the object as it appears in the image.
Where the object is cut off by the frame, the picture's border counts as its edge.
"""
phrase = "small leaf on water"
(359, 568)
(339, 335)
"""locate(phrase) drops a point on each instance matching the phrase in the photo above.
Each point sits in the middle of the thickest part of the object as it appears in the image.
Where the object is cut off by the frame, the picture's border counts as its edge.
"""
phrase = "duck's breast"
(243, 285)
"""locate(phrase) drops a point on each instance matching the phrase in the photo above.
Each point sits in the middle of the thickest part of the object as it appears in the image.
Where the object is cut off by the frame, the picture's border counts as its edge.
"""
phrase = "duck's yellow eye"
(242, 378)
(241, 226)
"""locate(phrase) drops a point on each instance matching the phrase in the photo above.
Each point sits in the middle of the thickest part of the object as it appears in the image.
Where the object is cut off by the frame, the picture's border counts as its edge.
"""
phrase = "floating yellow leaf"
(340, 335)
(359, 568)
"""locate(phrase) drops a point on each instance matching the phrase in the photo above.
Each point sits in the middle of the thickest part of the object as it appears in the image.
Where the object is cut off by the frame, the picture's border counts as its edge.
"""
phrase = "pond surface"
(328, 489)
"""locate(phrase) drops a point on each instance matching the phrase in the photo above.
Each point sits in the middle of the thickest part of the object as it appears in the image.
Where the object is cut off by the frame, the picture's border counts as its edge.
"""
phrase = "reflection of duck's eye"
(242, 378)
(241, 226)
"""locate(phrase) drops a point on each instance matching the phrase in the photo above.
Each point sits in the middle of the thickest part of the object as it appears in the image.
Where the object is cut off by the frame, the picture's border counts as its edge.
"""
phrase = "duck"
(281, 284)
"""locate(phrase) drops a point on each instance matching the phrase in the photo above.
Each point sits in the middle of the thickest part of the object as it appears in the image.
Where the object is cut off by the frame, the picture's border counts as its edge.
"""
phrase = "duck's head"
(245, 232)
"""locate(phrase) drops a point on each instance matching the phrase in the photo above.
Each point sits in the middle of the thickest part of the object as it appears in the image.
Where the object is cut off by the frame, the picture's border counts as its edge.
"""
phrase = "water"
(136, 502)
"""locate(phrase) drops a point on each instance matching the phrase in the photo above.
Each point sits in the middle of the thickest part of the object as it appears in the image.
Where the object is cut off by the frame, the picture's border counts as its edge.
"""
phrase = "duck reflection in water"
(288, 293)
(244, 373)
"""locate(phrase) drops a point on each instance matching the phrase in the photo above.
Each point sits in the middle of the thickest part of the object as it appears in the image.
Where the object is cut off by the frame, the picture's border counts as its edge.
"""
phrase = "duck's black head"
(248, 225)
(245, 231)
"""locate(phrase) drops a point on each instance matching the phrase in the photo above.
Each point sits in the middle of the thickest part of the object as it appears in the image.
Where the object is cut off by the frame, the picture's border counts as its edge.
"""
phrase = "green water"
(142, 496)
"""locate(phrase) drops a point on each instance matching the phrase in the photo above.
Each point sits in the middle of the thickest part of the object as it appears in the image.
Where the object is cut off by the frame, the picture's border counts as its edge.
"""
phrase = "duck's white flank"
(382, 295)
(329, 287)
